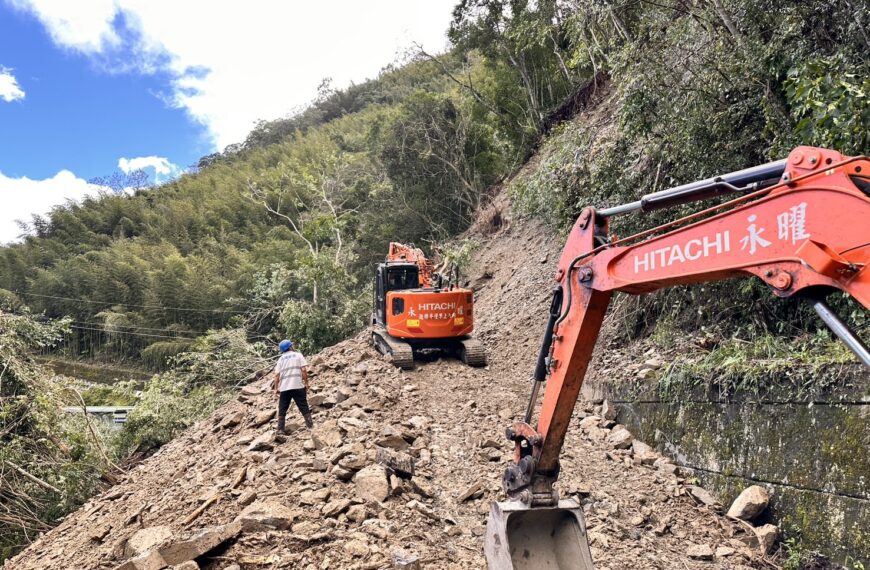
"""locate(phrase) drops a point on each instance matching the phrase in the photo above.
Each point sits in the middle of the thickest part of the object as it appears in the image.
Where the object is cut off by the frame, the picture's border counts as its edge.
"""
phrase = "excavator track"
(399, 351)
(473, 352)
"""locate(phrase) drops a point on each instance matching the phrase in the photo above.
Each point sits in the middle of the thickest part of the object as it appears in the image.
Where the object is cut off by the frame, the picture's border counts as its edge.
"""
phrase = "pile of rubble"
(399, 470)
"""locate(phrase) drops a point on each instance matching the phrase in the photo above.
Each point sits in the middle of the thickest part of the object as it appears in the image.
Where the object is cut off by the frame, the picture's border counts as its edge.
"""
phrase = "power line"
(132, 333)
(137, 327)
(160, 307)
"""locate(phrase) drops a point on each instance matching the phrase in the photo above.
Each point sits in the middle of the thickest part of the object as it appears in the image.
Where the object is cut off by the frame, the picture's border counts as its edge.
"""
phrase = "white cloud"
(9, 88)
(83, 26)
(23, 197)
(235, 62)
(161, 168)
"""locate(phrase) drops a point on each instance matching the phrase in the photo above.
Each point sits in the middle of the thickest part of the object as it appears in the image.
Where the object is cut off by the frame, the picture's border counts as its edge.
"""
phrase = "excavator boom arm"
(809, 234)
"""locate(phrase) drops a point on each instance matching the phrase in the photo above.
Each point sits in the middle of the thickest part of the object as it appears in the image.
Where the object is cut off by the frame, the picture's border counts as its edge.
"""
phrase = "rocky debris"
(750, 503)
(350, 502)
(723, 551)
(174, 553)
(700, 552)
(406, 561)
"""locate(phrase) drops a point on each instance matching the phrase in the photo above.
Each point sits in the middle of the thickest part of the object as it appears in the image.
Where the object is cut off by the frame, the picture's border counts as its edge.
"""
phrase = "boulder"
(206, 540)
(267, 515)
(400, 462)
(151, 560)
(620, 437)
(767, 536)
(475, 491)
(750, 503)
(371, 484)
(145, 539)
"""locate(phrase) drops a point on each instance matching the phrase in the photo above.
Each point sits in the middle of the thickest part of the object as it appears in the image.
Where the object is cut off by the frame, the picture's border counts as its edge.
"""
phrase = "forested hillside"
(276, 236)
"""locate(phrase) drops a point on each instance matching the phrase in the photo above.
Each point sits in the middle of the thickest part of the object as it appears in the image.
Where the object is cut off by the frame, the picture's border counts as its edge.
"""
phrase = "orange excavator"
(414, 309)
(801, 225)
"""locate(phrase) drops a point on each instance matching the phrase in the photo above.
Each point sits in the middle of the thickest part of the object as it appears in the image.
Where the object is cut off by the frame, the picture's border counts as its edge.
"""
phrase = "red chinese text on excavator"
(415, 309)
(802, 225)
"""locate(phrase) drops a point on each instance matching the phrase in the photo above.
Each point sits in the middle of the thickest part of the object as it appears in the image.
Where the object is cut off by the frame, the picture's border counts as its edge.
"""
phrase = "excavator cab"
(392, 277)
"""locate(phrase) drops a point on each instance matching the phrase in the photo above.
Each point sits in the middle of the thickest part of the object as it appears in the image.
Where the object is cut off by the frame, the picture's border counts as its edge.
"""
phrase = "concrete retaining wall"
(811, 451)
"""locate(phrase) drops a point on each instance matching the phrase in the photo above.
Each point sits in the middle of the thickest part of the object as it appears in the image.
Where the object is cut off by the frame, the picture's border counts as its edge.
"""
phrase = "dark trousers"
(299, 396)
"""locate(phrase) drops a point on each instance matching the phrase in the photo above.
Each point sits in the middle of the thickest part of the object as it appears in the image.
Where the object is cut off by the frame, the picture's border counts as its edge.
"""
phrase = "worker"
(291, 383)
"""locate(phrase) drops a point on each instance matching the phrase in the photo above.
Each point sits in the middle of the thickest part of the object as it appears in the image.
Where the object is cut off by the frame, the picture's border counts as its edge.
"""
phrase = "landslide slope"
(343, 511)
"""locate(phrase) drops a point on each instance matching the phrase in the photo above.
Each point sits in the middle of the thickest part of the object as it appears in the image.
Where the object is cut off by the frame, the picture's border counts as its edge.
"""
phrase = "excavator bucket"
(519, 537)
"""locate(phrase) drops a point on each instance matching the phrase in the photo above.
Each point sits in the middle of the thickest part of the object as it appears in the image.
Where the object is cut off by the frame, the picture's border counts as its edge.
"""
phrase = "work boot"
(309, 423)
(280, 429)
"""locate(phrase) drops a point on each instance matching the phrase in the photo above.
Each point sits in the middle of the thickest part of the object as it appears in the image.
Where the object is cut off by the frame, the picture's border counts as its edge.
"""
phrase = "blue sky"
(91, 86)
(76, 116)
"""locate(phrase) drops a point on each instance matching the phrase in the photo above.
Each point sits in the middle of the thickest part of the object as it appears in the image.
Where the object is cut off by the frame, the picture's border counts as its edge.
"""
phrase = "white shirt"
(289, 369)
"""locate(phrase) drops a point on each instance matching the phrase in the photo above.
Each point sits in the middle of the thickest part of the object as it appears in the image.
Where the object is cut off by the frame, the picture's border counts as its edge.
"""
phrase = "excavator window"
(399, 278)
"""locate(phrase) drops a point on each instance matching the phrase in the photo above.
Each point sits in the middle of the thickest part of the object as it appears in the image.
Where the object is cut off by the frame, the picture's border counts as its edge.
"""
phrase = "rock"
(233, 567)
(189, 565)
(353, 462)
(371, 484)
(356, 548)
(262, 443)
(334, 508)
(664, 465)
(750, 503)
(99, 533)
(361, 368)
(247, 498)
(231, 420)
(267, 515)
(245, 439)
(644, 453)
(327, 434)
(700, 552)
(702, 495)
(767, 536)
(357, 513)
(475, 491)
(394, 441)
(145, 539)
(422, 488)
(405, 561)
(149, 561)
(724, 551)
(253, 389)
(620, 437)
(400, 462)
(341, 473)
(590, 422)
(608, 410)
(263, 418)
(208, 539)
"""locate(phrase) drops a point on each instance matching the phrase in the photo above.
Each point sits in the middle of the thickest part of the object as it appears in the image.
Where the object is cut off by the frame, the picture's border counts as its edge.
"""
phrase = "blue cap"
(285, 345)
